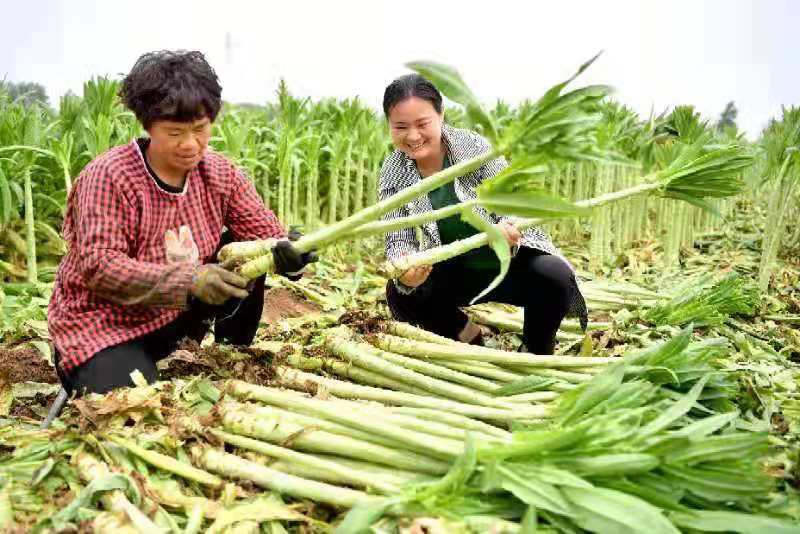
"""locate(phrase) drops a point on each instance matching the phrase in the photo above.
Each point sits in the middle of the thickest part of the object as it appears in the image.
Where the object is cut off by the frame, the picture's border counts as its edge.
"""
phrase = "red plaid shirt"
(115, 284)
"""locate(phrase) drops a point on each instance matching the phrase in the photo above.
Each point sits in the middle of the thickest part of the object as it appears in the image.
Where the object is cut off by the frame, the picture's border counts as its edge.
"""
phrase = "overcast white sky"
(657, 53)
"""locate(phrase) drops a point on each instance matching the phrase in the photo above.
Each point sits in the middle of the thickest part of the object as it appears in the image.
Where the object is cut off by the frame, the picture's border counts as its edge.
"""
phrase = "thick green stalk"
(344, 474)
(470, 352)
(410, 331)
(376, 361)
(272, 415)
(482, 369)
(389, 476)
(30, 233)
(778, 204)
(167, 463)
(346, 370)
(90, 468)
(337, 230)
(316, 408)
(305, 433)
(460, 421)
(348, 168)
(348, 390)
(441, 372)
(393, 269)
(384, 227)
(232, 466)
(360, 169)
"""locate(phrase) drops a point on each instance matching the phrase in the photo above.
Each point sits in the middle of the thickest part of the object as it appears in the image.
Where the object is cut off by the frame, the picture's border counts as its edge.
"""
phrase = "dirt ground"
(25, 364)
(281, 303)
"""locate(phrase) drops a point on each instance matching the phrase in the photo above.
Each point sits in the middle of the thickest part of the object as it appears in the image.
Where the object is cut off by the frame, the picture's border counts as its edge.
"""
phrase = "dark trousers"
(540, 283)
(235, 322)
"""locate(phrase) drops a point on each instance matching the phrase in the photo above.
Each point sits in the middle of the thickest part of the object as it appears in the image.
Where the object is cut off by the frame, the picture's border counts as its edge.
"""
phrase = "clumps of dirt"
(363, 322)
(184, 362)
(281, 303)
(27, 408)
(252, 365)
(25, 364)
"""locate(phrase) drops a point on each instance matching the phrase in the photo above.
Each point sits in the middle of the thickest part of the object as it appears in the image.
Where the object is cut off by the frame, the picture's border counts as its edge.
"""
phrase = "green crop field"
(678, 410)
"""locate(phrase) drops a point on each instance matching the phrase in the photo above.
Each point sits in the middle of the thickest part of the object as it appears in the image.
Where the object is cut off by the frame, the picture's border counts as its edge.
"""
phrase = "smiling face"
(178, 147)
(416, 129)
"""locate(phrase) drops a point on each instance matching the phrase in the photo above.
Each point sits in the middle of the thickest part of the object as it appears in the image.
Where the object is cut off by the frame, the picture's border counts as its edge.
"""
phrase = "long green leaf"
(605, 510)
(449, 82)
(498, 243)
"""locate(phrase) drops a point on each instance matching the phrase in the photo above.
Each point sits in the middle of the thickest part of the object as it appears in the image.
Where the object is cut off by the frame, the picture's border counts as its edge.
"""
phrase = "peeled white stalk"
(232, 466)
(347, 390)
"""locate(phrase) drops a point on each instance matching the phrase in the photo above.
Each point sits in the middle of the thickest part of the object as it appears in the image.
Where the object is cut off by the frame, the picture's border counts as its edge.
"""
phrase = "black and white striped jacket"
(399, 171)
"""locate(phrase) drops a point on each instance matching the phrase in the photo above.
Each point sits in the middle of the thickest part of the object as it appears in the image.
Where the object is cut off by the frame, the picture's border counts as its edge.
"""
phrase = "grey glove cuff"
(402, 288)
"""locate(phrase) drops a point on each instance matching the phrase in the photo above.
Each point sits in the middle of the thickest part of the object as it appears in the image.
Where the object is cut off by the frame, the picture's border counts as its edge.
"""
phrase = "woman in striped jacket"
(539, 279)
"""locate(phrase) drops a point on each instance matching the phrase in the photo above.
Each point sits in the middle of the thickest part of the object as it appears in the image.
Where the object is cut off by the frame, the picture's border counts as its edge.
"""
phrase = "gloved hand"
(214, 285)
(290, 262)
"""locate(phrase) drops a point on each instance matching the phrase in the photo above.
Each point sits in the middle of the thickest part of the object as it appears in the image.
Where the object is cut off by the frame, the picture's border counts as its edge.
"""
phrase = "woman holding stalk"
(539, 279)
(143, 224)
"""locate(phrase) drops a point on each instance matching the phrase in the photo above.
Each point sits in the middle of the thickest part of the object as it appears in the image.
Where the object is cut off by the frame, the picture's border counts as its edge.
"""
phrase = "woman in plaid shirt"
(539, 279)
(143, 225)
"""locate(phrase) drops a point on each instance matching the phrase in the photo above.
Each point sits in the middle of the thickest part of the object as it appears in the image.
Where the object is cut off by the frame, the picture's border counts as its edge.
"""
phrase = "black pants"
(235, 322)
(542, 284)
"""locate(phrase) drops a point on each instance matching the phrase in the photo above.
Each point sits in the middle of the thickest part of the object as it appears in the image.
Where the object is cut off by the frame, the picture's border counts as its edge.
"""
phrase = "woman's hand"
(416, 276)
(511, 232)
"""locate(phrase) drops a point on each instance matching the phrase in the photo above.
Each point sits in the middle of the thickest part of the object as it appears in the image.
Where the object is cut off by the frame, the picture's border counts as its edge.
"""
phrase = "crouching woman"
(539, 279)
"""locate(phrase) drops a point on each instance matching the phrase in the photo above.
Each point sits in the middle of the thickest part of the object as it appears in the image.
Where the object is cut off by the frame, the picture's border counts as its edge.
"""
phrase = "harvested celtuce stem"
(356, 353)
(243, 527)
(463, 351)
(90, 468)
(168, 463)
(391, 476)
(375, 410)
(572, 376)
(384, 227)
(349, 476)
(230, 465)
(434, 428)
(194, 520)
(483, 369)
(412, 332)
(336, 231)
(436, 371)
(309, 438)
(279, 416)
(242, 250)
(346, 370)
(300, 380)
(393, 269)
(455, 420)
(534, 396)
(116, 522)
(330, 477)
(693, 176)
(444, 448)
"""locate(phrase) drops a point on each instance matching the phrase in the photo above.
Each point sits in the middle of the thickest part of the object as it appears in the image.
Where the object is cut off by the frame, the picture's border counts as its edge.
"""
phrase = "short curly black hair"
(172, 85)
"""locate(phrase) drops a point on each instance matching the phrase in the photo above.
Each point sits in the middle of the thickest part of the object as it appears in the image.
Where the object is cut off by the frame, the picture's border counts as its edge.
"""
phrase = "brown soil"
(25, 364)
(363, 322)
(24, 408)
(254, 366)
(281, 303)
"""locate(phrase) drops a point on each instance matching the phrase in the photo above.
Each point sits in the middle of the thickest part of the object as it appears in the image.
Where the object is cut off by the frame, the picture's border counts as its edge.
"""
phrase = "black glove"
(290, 262)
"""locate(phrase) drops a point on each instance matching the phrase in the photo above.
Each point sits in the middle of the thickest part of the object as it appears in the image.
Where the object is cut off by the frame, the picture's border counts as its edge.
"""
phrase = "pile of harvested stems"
(411, 426)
